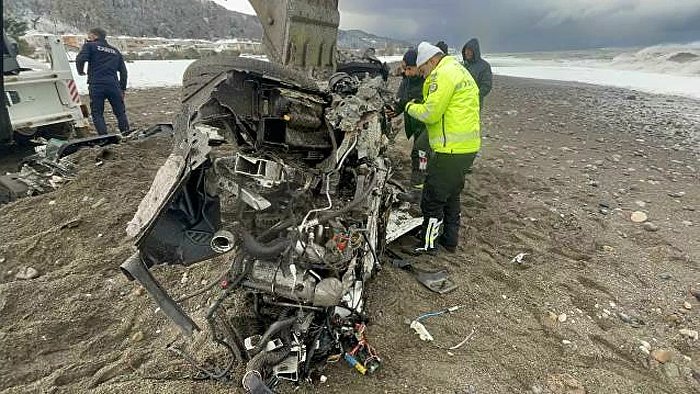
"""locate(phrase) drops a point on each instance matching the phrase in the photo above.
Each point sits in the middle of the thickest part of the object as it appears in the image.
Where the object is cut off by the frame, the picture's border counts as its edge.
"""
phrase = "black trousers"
(421, 148)
(440, 203)
(98, 94)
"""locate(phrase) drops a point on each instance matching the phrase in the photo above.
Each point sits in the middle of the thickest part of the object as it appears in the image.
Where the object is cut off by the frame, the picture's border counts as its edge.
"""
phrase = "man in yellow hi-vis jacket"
(450, 111)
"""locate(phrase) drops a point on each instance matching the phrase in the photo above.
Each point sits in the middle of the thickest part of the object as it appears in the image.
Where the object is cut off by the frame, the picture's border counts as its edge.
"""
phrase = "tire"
(359, 69)
(204, 70)
(64, 131)
(23, 139)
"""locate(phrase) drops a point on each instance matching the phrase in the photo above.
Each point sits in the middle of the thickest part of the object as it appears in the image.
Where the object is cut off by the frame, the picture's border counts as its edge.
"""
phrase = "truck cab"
(39, 101)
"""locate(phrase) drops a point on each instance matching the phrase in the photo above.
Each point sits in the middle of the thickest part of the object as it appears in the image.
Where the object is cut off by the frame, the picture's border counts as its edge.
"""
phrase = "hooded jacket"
(411, 88)
(479, 68)
(104, 61)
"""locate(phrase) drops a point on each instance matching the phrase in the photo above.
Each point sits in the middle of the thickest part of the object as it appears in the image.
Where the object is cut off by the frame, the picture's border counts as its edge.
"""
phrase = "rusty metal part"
(300, 33)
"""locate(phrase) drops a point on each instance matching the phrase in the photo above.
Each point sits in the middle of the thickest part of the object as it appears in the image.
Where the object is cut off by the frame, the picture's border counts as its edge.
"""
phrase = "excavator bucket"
(300, 33)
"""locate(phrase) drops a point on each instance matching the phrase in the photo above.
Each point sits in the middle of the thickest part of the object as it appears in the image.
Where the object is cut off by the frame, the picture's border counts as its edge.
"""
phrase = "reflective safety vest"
(450, 109)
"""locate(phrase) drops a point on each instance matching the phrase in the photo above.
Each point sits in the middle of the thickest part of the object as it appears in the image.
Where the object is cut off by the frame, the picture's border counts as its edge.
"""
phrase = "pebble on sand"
(651, 227)
(693, 334)
(137, 337)
(662, 356)
(638, 217)
(671, 370)
(27, 273)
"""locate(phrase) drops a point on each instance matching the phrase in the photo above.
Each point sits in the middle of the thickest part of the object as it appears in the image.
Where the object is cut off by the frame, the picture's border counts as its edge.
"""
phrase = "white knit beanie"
(426, 51)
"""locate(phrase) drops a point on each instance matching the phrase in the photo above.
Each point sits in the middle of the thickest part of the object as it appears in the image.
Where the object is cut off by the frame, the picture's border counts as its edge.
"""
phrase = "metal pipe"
(223, 241)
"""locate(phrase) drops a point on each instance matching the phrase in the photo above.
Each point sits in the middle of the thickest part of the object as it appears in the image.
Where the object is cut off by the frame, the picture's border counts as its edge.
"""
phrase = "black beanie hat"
(410, 57)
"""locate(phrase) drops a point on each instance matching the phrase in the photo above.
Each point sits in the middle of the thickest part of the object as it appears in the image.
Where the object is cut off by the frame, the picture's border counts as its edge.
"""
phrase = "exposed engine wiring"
(352, 146)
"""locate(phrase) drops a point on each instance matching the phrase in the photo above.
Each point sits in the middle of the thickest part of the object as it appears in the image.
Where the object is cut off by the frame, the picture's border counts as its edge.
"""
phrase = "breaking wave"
(677, 59)
(672, 69)
(668, 59)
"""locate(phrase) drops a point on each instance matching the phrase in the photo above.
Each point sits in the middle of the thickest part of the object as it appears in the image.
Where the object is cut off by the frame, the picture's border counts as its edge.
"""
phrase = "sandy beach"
(599, 304)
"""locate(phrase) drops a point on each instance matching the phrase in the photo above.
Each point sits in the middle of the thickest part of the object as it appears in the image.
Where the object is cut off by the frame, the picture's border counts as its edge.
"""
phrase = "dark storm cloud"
(527, 25)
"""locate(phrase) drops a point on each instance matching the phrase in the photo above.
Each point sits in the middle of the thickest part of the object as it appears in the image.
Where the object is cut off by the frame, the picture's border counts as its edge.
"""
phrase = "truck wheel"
(62, 131)
(203, 71)
(23, 139)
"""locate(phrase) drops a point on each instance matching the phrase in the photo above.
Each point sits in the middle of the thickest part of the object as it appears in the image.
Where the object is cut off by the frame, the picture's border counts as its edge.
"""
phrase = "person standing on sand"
(411, 88)
(479, 68)
(450, 111)
(104, 62)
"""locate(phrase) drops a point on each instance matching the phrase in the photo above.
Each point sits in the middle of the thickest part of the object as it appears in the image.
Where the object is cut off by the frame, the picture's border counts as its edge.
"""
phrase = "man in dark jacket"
(104, 62)
(479, 68)
(411, 88)
(443, 47)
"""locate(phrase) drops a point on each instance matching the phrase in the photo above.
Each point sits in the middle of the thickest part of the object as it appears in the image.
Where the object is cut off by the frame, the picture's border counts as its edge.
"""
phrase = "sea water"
(672, 69)
(662, 69)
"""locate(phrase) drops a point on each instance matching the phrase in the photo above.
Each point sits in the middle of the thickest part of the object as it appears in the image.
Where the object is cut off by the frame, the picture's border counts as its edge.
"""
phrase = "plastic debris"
(519, 258)
(421, 331)
(459, 345)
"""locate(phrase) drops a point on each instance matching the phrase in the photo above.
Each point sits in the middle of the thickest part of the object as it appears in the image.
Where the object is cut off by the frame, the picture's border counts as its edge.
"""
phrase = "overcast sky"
(523, 25)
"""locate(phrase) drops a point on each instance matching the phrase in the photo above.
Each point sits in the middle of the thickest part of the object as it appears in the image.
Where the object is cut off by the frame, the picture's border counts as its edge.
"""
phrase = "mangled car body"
(298, 198)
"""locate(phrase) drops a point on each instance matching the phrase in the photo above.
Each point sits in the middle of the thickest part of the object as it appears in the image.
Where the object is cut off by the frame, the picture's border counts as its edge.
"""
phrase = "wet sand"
(563, 168)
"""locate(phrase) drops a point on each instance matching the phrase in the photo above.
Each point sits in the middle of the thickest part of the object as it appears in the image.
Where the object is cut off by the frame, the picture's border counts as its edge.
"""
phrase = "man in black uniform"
(411, 88)
(479, 68)
(104, 62)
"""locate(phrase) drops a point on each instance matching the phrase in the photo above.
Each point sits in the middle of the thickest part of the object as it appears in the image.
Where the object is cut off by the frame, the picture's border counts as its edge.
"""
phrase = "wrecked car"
(299, 197)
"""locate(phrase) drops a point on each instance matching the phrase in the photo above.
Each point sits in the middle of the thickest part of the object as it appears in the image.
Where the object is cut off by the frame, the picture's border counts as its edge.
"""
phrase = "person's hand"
(390, 111)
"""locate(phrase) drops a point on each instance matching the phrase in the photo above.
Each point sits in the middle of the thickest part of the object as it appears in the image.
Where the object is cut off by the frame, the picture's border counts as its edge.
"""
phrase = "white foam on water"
(664, 69)
(165, 73)
(636, 80)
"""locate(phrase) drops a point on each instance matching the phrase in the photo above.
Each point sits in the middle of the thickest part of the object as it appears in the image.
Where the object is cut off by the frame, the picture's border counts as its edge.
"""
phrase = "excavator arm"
(300, 33)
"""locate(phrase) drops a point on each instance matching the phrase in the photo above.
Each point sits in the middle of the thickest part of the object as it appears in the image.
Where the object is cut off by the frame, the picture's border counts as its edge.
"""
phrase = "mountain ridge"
(193, 19)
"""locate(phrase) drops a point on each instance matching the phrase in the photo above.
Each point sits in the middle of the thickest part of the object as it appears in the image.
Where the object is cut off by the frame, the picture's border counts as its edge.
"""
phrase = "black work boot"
(428, 236)
(448, 247)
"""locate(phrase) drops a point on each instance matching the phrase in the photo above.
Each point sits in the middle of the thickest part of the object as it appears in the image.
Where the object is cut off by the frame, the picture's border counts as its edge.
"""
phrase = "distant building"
(143, 45)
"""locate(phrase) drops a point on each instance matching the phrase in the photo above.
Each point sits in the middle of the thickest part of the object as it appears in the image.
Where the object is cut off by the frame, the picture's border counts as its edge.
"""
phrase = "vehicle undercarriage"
(299, 198)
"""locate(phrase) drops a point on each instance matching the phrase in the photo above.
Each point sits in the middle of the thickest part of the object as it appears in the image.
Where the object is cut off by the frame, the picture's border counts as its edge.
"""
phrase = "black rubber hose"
(352, 205)
(263, 251)
(252, 380)
(323, 218)
(272, 330)
(253, 384)
(278, 228)
(312, 352)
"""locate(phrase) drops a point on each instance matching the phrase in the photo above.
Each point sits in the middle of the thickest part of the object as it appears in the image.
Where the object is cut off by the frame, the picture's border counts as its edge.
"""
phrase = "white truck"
(40, 102)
